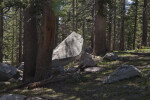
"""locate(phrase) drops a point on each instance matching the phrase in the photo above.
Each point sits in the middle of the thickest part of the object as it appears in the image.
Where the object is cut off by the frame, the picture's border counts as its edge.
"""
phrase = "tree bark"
(76, 16)
(115, 13)
(20, 37)
(46, 42)
(144, 35)
(93, 24)
(30, 43)
(1, 34)
(100, 30)
(83, 34)
(73, 11)
(122, 27)
(12, 53)
(110, 29)
(135, 24)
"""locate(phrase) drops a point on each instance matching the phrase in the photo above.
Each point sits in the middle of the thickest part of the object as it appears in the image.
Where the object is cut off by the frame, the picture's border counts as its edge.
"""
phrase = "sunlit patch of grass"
(123, 54)
(12, 84)
(146, 50)
(89, 86)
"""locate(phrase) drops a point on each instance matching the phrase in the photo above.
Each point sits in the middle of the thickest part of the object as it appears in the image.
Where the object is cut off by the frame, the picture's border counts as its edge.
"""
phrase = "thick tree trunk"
(20, 37)
(46, 42)
(30, 43)
(1, 34)
(144, 35)
(135, 25)
(100, 30)
(122, 47)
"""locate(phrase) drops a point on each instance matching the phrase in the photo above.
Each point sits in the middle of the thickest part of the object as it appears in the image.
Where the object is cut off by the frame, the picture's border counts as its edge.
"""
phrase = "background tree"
(1, 32)
(122, 26)
(144, 35)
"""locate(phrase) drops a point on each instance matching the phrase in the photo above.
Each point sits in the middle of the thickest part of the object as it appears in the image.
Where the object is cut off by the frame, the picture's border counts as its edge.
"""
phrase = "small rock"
(125, 86)
(70, 69)
(35, 98)
(93, 69)
(4, 84)
(21, 66)
(76, 75)
(110, 56)
(89, 50)
(87, 61)
(123, 72)
(12, 97)
(61, 70)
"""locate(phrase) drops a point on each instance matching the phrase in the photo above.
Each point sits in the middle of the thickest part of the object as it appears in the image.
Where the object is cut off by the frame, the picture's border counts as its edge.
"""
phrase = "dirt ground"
(89, 86)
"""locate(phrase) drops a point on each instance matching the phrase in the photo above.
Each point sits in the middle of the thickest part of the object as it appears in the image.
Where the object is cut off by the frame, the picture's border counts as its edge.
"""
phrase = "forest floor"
(90, 86)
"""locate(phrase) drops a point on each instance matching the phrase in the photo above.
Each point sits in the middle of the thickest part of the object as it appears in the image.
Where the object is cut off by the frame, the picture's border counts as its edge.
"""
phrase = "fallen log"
(48, 81)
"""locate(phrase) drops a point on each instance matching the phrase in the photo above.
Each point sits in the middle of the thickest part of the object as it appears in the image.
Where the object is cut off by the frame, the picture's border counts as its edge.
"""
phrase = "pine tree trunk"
(115, 13)
(76, 16)
(12, 53)
(135, 25)
(73, 11)
(1, 34)
(56, 35)
(20, 37)
(46, 42)
(16, 41)
(144, 35)
(100, 30)
(122, 27)
(110, 30)
(93, 24)
(30, 43)
(83, 34)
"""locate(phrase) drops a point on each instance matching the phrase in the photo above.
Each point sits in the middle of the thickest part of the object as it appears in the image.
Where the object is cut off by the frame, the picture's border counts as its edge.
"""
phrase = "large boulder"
(68, 50)
(123, 72)
(110, 56)
(7, 71)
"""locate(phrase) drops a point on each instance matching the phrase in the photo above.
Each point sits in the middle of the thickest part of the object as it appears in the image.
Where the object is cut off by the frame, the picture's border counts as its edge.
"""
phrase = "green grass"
(90, 86)
(146, 50)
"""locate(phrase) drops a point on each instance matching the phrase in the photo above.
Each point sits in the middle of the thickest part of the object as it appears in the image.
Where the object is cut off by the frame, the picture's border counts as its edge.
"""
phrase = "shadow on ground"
(90, 86)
